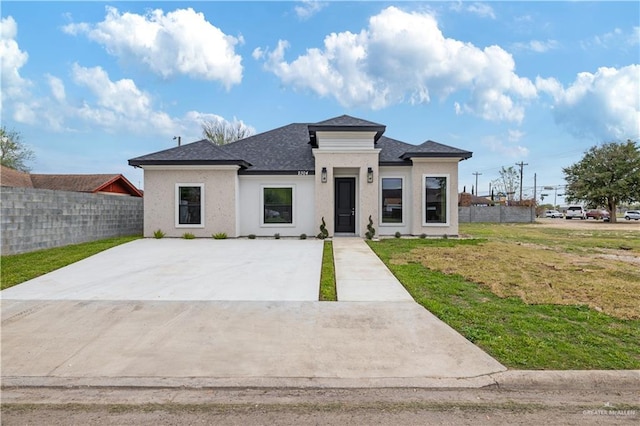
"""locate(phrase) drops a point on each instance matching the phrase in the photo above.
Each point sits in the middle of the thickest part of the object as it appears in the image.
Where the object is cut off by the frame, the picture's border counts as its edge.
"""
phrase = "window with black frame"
(391, 200)
(435, 199)
(278, 205)
(189, 205)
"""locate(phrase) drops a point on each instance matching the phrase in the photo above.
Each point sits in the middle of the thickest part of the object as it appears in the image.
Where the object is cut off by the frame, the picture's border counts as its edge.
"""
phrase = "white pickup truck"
(577, 212)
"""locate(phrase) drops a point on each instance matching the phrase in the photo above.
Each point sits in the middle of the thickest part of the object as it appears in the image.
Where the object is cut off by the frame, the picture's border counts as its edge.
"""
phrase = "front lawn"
(19, 268)
(484, 288)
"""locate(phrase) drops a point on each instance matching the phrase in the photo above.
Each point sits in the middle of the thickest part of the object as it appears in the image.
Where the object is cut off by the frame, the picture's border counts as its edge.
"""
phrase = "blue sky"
(89, 85)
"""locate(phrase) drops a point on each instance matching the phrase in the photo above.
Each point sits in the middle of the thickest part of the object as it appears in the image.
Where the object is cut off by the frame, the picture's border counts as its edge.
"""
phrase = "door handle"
(353, 211)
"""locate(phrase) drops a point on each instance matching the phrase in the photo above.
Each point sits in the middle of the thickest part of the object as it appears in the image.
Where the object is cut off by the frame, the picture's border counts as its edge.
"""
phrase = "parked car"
(598, 214)
(553, 214)
(575, 211)
(632, 214)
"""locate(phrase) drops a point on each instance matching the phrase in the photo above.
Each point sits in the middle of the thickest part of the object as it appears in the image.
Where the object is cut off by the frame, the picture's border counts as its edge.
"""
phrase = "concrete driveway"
(177, 269)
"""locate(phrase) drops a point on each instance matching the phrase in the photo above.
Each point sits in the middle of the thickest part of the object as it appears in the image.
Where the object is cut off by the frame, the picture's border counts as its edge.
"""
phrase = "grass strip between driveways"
(18, 268)
(519, 335)
(328, 275)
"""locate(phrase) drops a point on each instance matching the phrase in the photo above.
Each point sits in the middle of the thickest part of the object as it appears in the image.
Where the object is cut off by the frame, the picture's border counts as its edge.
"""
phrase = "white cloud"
(404, 57)
(537, 46)
(178, 42)
(308, 8)
(483, 10)
(14, 87)
(497, 145)
(515, 135)
(617, 38)
(604, 105)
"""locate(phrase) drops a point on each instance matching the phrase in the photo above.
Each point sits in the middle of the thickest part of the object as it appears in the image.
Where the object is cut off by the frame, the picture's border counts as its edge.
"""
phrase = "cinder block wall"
(496, 214)
(34, 219)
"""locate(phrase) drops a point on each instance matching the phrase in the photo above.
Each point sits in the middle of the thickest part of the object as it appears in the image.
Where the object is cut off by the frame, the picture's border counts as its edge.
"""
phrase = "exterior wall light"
(323, 175)
(370, 175)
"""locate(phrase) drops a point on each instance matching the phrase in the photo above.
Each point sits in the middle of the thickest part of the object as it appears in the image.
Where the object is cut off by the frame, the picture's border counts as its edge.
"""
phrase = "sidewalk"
(361, 276)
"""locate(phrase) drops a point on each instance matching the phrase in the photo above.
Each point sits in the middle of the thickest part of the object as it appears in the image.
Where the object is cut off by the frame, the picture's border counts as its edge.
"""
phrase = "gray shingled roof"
(287, 149)
(200, 152)
(435, 149)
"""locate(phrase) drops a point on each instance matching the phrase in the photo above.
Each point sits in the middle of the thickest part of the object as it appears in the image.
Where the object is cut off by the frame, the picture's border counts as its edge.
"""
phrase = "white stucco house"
(288, 179)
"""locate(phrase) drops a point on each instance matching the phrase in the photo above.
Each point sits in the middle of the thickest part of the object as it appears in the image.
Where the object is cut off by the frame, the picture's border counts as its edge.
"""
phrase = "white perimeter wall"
(250, 206)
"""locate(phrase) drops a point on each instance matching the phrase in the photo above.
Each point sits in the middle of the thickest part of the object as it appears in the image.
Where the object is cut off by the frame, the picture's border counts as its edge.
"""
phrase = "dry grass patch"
(538, 274)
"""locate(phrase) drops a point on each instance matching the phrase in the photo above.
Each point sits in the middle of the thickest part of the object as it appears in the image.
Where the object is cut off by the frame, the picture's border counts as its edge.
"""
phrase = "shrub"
(188, 236)
(220, 236)
(423, 236)
(303, 236)
(276, 236)
(371, 231)
(158, 234)
(398, 234)
(252, 236)
(323, 230)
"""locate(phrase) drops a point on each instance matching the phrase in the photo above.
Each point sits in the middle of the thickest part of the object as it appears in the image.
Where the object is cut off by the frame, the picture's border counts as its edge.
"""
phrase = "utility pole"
(521, 164)
(476, 174)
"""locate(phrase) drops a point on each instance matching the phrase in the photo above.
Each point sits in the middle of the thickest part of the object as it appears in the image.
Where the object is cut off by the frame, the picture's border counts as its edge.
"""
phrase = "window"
(435, 200)
(392, 200)
(277, 205)
(189, 205)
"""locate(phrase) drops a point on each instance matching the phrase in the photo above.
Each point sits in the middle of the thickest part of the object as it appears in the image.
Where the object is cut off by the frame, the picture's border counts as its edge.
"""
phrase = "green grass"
(518, 335)
(19, 268)
(566, 239)
(328, 275)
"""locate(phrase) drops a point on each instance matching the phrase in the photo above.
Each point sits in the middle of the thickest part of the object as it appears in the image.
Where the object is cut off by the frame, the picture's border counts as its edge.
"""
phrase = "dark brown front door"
(345, 205)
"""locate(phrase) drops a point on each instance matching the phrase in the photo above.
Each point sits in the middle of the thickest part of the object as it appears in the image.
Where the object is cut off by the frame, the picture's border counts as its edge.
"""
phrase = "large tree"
(222, 132)
(508, 182)
(14, 153)
(606, 176)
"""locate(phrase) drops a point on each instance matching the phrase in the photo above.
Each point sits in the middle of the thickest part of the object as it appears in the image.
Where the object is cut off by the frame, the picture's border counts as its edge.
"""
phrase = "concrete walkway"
(362, 277)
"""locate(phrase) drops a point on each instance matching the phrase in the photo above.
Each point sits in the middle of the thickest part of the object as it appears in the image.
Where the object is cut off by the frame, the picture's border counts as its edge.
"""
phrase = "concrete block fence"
(34, 219)
(496, 214)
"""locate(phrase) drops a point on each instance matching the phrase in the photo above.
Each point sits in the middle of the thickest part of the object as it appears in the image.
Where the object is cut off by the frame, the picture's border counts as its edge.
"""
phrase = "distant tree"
(508, 181)
(13, 153)
(606, 176)
(222, 132)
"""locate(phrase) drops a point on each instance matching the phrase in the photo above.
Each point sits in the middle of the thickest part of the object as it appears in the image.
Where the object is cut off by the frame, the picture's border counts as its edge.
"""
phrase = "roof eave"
(460, 155)
(138, 163)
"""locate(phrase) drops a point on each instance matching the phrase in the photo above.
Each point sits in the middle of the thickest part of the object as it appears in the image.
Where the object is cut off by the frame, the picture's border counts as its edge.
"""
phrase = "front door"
(345, 205)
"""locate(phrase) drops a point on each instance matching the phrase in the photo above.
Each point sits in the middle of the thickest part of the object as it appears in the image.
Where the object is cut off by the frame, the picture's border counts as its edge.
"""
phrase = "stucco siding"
(251, 207)
(219, 201)
(407, 200)
(347, 164)
(434, 167)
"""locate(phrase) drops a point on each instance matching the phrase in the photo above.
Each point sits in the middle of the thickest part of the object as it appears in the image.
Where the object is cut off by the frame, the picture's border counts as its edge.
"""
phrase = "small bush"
(423, 236)
(220, 236)
(158, 234)
(251, 236)
(371, 231)
(276, 236)
(303, 236)
(398, 234)
(323, 230)
(188, 236)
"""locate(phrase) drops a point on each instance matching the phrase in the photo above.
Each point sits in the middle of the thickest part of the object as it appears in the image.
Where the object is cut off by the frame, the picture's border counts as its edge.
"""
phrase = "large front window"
(189, 205)
(391, 200)
(278, 205)
(435, 199)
